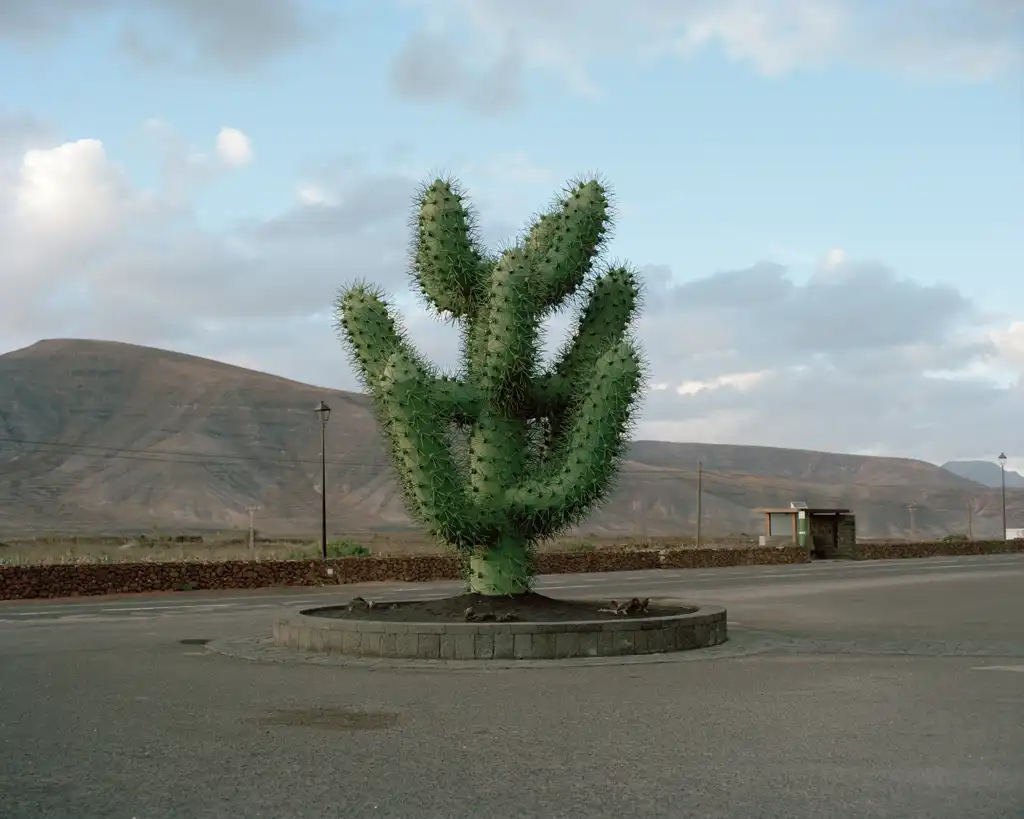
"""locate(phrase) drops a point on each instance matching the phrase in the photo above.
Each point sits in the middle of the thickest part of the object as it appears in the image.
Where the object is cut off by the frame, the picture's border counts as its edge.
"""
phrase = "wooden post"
(700, 499)
(970, 521)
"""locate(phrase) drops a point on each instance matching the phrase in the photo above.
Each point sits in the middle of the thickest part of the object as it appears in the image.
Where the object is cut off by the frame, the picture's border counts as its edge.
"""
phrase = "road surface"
(877, 690)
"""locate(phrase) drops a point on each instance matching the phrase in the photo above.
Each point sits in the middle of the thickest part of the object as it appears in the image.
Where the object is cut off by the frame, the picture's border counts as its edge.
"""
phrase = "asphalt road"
(875, 690)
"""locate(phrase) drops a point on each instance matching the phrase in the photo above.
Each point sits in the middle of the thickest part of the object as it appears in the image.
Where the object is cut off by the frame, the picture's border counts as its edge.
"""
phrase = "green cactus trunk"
(502, 569)
(542, 445)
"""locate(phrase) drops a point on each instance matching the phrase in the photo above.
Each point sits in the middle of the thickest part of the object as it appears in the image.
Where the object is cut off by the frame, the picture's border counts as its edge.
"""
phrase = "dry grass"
(85, 549)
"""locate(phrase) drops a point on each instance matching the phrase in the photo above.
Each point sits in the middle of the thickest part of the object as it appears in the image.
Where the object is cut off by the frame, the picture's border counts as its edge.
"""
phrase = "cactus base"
(501, 570)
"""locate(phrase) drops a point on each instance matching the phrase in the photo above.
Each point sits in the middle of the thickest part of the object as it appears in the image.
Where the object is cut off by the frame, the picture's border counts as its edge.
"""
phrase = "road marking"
(1018, 668)
(193, 606)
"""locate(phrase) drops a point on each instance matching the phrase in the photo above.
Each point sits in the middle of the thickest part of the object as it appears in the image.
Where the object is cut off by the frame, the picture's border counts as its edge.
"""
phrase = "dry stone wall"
(74, 580)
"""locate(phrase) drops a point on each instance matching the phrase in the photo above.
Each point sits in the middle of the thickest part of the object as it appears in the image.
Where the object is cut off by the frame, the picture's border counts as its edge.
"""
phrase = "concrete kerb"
(698, 627)
(742, 643)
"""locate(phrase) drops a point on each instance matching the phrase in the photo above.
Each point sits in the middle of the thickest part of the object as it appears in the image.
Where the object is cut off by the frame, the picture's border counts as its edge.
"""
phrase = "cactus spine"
(504, 453)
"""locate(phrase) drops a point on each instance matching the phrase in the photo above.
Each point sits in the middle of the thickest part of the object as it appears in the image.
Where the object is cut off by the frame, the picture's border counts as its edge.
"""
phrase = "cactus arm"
(505, 343)
(474, 328)
(373, 336)
(365, 320)
(613, 302)
(420, 449)
(563, 243)
(580, 472)
(508, 347)
(456, 400)
(447, 264)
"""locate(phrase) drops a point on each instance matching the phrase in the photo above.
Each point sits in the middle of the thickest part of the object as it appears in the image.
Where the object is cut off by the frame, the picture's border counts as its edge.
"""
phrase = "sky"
(825, 197)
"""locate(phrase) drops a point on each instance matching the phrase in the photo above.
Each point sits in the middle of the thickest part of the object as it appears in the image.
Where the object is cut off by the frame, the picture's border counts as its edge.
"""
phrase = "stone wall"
(72, 580)
(888, 551)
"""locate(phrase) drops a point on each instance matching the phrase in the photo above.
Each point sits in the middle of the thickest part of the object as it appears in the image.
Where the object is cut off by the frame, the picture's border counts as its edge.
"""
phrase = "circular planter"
(326, 632)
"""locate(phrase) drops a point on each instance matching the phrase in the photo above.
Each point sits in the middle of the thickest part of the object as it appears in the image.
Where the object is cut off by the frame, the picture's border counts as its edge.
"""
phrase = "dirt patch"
(528, 608)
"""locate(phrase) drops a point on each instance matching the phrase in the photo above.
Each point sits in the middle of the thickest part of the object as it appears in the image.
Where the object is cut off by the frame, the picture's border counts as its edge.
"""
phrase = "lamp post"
(1002, 481)
(323, 412)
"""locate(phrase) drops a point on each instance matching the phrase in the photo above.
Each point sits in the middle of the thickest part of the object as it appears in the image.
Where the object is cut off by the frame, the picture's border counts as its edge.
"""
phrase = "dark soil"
(529, 608)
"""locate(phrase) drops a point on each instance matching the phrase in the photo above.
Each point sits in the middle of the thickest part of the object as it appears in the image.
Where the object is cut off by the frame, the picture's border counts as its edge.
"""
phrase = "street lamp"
(1002, 480)
(323, 412)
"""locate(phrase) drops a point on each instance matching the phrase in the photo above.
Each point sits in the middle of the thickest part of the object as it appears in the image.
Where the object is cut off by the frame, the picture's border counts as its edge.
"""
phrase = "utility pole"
(1002, 481)
(252, 510)
(970, 520)
(639, 520)
(323, 412)
(913, 521)
(700, 499)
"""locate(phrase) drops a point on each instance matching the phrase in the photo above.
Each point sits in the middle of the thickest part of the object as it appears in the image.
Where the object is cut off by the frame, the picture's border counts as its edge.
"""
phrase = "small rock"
(469, 614)
(358, 604)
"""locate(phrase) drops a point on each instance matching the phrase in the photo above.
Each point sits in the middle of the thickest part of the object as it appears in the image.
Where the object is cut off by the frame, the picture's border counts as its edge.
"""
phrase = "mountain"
(985, 473)
(103, 437)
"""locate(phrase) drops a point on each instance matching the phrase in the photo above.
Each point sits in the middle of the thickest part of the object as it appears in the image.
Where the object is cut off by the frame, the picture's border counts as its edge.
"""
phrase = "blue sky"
(833, 139)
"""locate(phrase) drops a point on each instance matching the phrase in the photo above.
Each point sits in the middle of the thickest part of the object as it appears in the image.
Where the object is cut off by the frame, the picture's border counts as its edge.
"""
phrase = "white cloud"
(69, 192)
(309, 194)
(775, 37)
(234, 148)
(1010, 344)
(63, 207)
(834, 259)
(743, 382)
(958, 40)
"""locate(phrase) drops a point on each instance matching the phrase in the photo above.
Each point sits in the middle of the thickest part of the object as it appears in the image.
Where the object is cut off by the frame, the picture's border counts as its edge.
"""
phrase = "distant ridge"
(984, 473)
(129, 438)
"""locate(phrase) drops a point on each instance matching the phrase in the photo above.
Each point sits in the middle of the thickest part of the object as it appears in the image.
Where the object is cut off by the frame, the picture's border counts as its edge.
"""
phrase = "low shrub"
(335, 549)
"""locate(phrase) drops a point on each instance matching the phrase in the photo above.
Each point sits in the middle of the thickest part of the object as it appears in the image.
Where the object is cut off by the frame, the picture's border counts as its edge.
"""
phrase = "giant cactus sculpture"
(504, 453)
